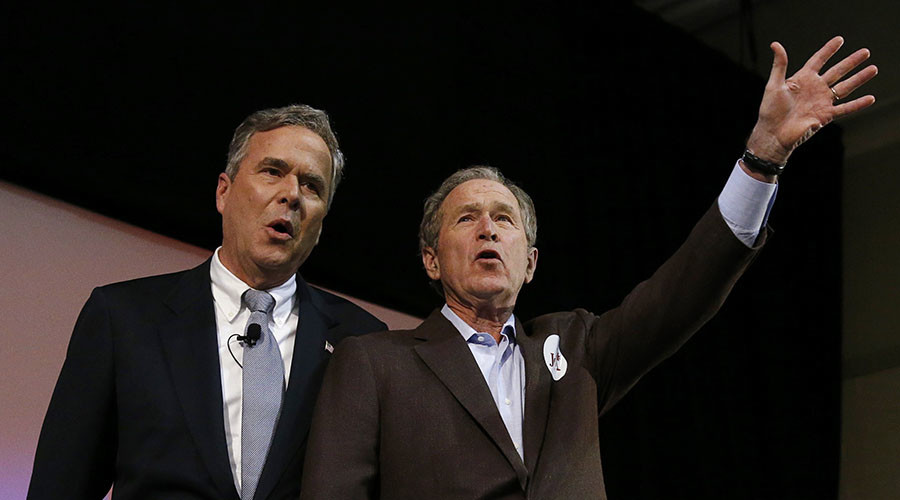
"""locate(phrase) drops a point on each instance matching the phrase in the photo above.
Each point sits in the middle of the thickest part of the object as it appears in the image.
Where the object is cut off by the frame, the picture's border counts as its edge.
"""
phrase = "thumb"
(779, 64)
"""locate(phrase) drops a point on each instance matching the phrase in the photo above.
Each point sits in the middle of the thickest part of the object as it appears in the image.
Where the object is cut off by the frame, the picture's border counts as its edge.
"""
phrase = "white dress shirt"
(231, 319)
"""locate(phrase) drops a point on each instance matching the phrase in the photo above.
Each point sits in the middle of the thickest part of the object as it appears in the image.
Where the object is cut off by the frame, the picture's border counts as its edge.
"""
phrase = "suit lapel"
(307, 370)
(537, 395)
(447, 355)
(190, 344)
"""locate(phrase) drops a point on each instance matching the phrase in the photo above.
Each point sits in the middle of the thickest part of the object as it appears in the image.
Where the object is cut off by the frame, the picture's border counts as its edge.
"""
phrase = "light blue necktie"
(263, 390)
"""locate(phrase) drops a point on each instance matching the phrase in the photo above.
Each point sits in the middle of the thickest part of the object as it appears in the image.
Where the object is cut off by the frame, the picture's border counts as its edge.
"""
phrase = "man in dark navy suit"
(154, 397)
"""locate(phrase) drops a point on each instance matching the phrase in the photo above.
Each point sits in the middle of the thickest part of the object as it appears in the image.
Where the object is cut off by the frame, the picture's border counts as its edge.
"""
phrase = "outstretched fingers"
(853, 106)
(822, 55)
(836, 72)
(847, 87)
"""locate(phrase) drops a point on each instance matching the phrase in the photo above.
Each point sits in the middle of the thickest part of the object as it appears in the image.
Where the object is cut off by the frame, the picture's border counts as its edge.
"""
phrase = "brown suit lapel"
(537, 395)
(447, 355)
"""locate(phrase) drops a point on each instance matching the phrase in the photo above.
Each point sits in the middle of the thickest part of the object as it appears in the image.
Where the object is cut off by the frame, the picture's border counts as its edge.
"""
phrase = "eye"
(465, 218)
(504, 218)
(312, 186)
(272, 171)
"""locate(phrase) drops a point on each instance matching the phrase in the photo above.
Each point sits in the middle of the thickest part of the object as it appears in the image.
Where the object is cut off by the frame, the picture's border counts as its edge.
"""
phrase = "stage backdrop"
(622, 129)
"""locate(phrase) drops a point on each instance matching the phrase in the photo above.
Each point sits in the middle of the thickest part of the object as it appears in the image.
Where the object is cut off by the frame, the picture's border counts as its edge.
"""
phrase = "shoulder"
(346, 311)
(557, 322)
(143, 285)
(385, 352)
(155, 287)
(388, 342)
(130, 306)
(380, 356)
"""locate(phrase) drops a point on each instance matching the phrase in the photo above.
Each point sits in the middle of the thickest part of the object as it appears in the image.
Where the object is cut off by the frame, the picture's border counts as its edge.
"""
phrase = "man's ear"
(532, 264)
(222, 191)
(431, 263)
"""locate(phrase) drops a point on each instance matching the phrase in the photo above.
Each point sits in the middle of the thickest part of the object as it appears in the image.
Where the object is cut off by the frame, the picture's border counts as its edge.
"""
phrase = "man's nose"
(290, 195)
(487, 230)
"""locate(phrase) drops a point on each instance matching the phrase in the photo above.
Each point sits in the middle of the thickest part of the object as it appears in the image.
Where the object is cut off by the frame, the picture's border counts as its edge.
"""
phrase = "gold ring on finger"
(835, 94)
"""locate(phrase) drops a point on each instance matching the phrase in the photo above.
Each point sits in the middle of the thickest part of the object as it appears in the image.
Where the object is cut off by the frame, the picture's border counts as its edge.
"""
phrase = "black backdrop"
(622, 128)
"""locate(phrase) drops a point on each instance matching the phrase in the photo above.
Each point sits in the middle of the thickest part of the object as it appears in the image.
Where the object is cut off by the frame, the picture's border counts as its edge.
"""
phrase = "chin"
(273, 260)
(491, 292)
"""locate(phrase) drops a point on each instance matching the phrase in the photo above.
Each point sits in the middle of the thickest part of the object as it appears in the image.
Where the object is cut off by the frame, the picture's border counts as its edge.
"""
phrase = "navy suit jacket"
(138, 403)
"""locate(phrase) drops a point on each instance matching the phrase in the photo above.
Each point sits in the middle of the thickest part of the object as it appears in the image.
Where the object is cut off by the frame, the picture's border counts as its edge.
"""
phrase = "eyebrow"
(505, 207)
(498, 206)
(285, 166)
(316, 179)
(275, 162)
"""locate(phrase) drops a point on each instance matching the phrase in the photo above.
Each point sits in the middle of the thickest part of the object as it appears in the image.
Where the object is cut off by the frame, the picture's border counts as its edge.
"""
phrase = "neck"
(482, 318)
(254, 277)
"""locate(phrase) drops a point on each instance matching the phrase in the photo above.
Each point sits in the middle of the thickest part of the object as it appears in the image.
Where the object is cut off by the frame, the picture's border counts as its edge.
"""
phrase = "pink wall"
(51, 256)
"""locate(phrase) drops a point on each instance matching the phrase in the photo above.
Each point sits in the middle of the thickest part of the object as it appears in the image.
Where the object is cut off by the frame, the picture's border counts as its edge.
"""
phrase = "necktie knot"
(258, 301)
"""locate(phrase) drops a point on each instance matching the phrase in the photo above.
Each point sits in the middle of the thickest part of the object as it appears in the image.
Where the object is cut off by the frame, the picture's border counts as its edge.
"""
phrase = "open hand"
(794, 109)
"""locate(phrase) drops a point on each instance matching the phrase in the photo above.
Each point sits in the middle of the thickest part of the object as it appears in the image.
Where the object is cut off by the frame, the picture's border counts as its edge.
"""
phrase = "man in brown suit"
(477, 404)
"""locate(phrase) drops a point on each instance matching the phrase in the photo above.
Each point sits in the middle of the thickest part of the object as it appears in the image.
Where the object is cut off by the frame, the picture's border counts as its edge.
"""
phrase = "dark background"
(621, 128)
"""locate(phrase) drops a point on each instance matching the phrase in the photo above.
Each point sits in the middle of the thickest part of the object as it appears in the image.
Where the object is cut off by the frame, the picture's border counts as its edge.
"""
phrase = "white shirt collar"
(228, 288)
(509, 327)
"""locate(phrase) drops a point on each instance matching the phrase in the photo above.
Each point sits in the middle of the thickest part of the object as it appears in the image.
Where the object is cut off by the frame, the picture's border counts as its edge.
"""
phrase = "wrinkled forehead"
(479, 195)
(294, 145)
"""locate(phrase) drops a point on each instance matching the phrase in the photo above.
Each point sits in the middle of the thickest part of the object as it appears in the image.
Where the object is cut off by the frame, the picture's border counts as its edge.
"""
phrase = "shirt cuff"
(745, 204)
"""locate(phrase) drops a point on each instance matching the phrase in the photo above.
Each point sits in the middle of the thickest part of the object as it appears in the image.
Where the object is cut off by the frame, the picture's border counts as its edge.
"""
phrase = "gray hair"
(301, 115)
(432, 215)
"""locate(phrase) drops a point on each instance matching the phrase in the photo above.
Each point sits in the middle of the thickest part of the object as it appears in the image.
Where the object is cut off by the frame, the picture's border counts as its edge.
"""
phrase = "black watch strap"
(757, 164)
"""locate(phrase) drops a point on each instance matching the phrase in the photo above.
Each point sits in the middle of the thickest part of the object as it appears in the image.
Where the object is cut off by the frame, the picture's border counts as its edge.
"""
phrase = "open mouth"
(488, 255)
(283, 228)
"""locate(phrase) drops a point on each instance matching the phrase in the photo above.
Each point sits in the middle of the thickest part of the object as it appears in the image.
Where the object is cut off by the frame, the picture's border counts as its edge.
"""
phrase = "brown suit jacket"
(407, 414)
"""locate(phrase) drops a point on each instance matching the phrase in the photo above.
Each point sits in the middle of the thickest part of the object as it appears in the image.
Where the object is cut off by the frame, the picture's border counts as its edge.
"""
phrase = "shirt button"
(508, 402)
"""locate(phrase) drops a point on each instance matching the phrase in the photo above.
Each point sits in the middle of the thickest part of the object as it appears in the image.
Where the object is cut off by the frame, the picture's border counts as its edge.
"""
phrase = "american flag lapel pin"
(329, 347)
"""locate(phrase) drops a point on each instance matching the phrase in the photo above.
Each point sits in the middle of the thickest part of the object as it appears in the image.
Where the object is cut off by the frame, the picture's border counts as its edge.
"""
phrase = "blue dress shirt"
(503, 368)
(744, 203)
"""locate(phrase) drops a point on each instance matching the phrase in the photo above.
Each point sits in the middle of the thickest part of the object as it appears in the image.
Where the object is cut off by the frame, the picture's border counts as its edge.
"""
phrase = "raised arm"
(661, 313)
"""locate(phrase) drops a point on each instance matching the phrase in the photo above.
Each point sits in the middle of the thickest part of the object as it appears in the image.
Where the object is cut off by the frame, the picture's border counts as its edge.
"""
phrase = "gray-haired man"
(156, 396)
(477, 404)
